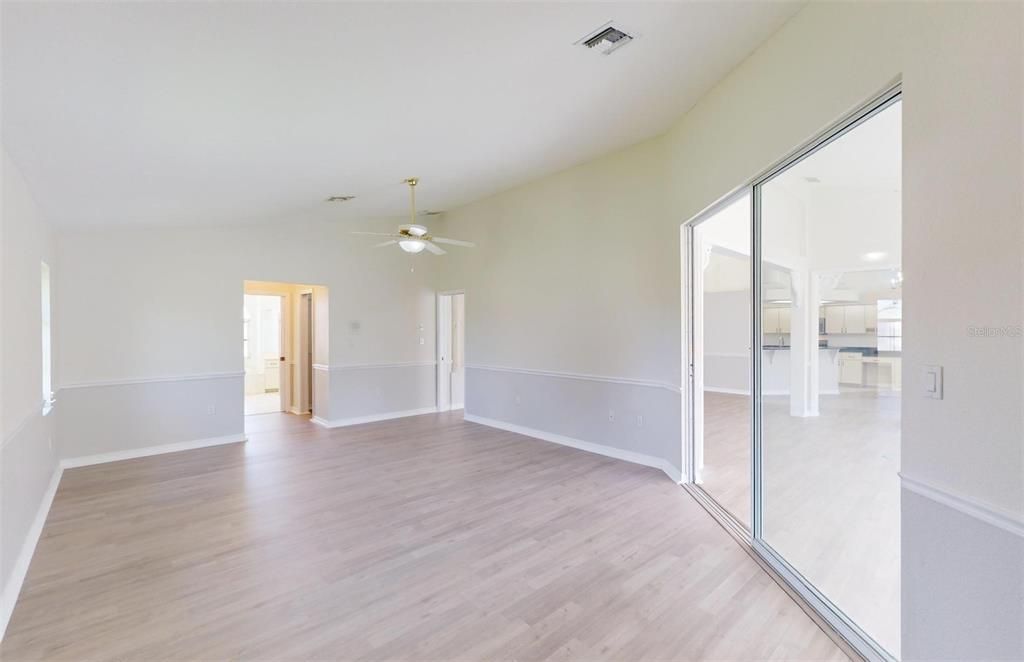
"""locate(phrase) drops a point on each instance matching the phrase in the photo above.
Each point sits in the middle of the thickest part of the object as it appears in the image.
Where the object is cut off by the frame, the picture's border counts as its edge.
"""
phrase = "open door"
(451, 372)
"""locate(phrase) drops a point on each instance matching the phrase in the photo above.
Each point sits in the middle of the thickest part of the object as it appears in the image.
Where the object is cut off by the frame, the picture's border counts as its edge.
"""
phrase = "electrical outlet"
(611, 416)
(211, 410)
(519, 400)
(639, 421)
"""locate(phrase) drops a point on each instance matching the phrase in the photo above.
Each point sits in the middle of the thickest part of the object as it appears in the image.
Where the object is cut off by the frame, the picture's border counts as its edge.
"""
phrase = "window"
(46, 338)
(890, 325)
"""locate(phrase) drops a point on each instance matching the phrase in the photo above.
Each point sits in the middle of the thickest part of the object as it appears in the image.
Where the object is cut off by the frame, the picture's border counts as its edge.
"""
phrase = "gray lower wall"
(110, 418)
(28, 461)
(963, 585)
(579, 408)
(358, 392)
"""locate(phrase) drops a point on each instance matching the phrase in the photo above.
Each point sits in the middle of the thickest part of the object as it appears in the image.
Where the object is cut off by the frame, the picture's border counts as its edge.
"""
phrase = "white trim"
(626, 381)
(14, 583)
(117, 456)
(154, 380)
(600, 449)
(997, 517)
(372, 418)
(730, 391)
(22, 423)
(372, 366)
(320, 366)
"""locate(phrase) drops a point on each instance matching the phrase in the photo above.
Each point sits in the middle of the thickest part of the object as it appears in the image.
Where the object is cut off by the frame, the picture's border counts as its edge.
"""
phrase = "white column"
(803, 324)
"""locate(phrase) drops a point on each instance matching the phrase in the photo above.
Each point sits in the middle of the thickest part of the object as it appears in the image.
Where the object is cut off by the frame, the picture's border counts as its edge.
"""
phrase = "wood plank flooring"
(831, 494)
(420, 538)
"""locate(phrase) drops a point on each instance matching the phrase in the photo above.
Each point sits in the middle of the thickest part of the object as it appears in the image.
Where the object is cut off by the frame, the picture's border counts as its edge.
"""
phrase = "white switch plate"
(933, 381)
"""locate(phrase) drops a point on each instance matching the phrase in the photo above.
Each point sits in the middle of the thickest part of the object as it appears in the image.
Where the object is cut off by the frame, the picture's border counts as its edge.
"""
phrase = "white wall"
(28, 460)
(579, 272)
(126, 292)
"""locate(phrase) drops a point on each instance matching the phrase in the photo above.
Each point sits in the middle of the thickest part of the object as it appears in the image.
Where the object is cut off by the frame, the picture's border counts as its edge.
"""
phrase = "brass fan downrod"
(412, 182)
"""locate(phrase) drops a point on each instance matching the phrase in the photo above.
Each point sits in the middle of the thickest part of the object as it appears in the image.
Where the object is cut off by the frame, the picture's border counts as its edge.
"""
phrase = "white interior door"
(444, 352)
(457, 364)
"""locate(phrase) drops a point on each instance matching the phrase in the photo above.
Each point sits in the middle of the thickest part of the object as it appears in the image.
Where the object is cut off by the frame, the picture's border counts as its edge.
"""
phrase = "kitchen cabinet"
(835, 319)
(851, 319)
(871, 318)
(851, 368)
(854, 319)
(775, 320)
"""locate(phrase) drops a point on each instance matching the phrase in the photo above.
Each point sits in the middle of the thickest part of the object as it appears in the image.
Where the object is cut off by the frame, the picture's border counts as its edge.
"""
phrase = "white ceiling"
(185, 113)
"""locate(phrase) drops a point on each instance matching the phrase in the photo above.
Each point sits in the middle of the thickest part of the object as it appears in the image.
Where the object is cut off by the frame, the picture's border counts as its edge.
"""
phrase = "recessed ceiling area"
(215, 113)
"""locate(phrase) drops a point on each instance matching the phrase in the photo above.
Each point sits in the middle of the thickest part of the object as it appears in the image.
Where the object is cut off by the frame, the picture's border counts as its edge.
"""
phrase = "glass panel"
(722, 356)
(830, 386)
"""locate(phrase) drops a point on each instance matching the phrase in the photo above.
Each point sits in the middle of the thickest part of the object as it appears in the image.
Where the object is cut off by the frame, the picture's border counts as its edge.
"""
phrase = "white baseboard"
(86, 460)
(600, 449)
(373, 418)
(13, 587)
(729, 391)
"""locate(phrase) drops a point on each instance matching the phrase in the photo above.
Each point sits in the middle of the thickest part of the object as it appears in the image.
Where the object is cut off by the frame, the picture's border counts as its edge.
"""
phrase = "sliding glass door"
(823, 390)
(719, 247)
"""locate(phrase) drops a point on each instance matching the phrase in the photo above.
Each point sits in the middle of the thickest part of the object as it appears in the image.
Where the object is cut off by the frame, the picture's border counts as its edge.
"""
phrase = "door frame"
(693, 361)
(443, 332)
(304, 363)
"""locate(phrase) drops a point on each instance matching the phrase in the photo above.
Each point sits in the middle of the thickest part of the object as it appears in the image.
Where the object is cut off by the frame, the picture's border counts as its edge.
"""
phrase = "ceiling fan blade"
(453, 242)
(375, 234)
(386, 243)
(434, 248)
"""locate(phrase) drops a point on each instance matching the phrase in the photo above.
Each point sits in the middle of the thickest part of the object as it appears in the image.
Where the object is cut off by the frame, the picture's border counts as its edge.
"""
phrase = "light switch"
(933, 381)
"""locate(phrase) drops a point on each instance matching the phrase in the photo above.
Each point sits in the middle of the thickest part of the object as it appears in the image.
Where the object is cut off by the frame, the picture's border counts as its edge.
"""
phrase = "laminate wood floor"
(831, 494)
(419, 538)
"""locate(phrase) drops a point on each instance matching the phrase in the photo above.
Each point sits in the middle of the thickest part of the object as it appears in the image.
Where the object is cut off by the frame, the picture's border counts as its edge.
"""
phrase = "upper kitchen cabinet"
(775, 319)
(850, 319)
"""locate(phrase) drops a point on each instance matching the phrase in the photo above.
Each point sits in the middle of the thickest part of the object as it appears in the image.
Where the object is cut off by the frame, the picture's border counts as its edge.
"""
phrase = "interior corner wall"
(151, 329)
(572, 307)
(28, 460)
(578, 274)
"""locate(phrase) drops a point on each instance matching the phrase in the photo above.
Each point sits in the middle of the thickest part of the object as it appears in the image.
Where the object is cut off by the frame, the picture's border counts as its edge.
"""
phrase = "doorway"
(800, 455)
(284, 345)
(262, 338)
(451, 369)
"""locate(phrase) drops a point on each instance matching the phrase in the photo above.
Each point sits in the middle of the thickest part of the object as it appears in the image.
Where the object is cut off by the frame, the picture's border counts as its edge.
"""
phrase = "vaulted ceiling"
(206, 113)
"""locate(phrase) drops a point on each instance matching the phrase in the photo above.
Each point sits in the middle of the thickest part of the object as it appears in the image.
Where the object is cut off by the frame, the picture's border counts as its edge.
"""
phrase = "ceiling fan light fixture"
(412, 245)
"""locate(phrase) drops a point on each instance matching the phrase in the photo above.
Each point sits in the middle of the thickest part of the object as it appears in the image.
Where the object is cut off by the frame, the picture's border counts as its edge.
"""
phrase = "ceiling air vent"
(606, 39)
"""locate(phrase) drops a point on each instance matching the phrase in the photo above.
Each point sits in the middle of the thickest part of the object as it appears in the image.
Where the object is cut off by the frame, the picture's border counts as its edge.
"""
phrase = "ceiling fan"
(413, 238)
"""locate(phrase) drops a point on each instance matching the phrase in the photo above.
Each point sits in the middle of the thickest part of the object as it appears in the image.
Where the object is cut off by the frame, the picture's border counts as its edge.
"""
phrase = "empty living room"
(512, 330)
